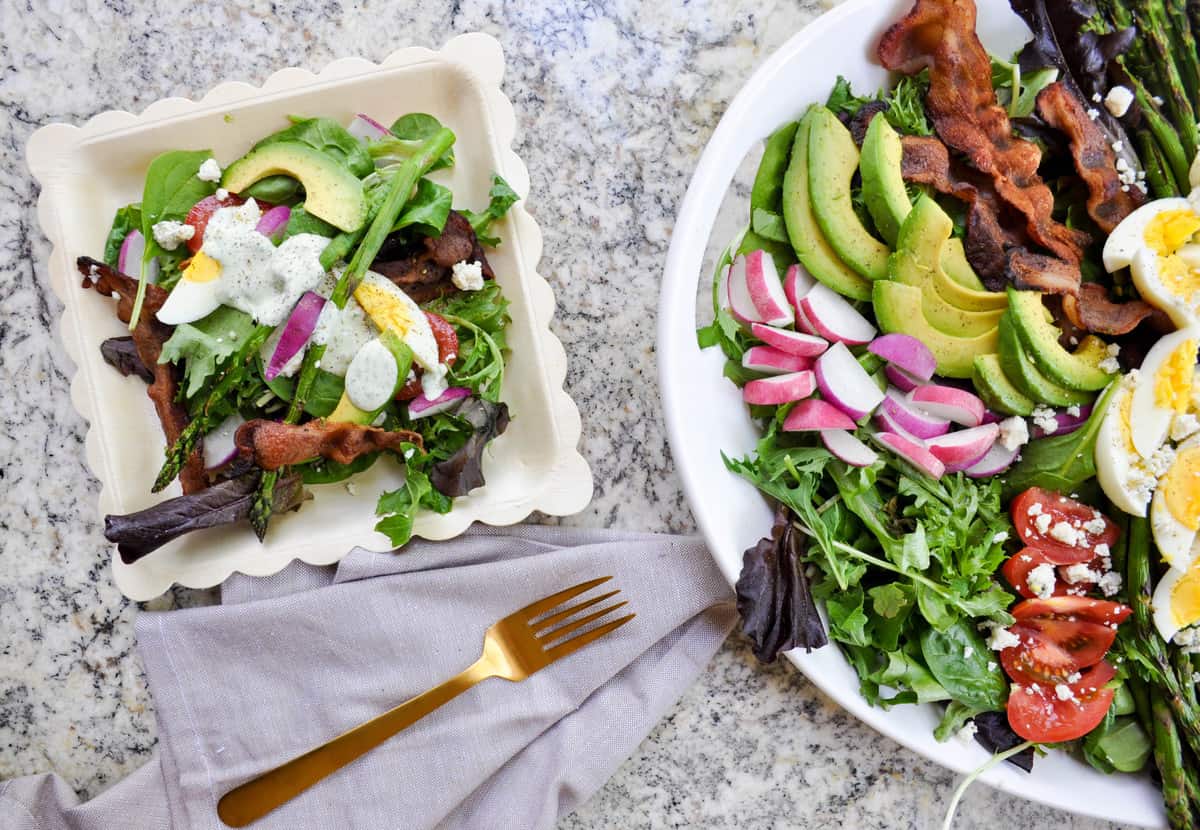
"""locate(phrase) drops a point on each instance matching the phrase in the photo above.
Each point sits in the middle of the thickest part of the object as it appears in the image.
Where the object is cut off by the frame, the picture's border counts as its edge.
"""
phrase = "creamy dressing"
(433, 381)
(372, 376)
(342, 333)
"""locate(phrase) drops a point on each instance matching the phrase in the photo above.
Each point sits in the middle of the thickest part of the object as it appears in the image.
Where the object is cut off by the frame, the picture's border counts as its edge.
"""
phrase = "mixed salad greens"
(313, 307)
(966, 313)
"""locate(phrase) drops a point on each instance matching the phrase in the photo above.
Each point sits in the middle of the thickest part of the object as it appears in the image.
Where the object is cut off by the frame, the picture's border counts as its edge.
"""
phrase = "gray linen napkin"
(292, 660)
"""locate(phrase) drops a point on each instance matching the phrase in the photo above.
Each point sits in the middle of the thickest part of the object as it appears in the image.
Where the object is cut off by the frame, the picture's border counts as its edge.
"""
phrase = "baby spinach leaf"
(204, 345)
(328, 471)
(322, 399)
(961, 661)
(769, 225)
(409, 131)
(1118, 744)
(280, 189)
(301, 221)
(128, 218)
(328, 137)
(427, 211)
(904, 671)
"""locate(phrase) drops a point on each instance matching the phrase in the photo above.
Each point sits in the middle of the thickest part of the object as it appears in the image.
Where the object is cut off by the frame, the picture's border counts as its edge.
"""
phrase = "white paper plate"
(705, 414)
(87, 172)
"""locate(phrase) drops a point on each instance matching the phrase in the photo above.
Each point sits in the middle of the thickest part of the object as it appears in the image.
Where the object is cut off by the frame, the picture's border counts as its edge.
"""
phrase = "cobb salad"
(301, 313)
(965, 312)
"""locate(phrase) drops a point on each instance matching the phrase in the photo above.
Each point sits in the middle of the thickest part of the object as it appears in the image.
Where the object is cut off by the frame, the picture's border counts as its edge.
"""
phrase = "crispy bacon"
(1032, 271)
(939, 35)
(423, 268)
(1094, 158)
(1092, 310)
(272, 444)
(148, 337)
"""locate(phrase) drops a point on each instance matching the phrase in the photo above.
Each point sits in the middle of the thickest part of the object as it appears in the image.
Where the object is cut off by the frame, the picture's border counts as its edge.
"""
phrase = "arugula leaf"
(204, 345)
(847, 622)
(905, 103)
(480, 318)
(329, 137)
(963, 664)
(128, 218)
(892, 604)
(501, 197)
(398, 508)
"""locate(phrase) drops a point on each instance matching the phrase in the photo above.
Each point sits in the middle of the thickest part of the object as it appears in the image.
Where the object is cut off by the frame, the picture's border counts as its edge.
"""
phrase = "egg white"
(1129, 237)
(1148, 277)
(1152, 422)
(1117, 466)
(1167, 619)
(190, 300)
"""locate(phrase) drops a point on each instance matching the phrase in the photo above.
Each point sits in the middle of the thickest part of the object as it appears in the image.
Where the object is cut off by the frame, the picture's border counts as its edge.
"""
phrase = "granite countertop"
(615, 100)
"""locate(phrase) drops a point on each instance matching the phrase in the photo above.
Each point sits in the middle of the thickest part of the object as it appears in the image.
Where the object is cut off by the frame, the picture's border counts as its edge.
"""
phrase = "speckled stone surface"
(615, 100)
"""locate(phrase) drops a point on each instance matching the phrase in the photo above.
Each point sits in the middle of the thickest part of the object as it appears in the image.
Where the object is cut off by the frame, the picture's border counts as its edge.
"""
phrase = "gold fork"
(513, 648)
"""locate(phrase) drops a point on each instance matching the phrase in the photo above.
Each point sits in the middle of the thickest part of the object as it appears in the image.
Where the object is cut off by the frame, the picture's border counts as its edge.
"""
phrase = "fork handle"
(259, 796)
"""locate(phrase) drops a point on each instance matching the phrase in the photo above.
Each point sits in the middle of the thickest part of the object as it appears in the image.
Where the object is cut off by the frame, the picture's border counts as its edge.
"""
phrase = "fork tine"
(554, 619)
(576, 643)
(575, 625)
(554, 600)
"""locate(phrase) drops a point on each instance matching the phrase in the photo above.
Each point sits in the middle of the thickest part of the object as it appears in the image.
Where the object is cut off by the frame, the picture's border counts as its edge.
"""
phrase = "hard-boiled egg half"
(1175, 513)
(1163, 389)
(1155, 241)
(1176, 601)
(390, 308)
(1122, 473)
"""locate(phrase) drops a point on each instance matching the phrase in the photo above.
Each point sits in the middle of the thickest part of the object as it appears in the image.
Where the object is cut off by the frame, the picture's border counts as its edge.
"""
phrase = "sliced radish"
(997, 460)
(814, 415)
(905, 352)
(129, 258)
(741, 306)
(834, 318)
(766, 290)
(912, 420)
(887, 423)
(792, 342)
(1066, 423)
(781, 389)
(804, 324)
(274, 222)
(949, 402)
(367, 129)
(219, 445)
(296, 332)
(771, 361)
(901, 379)
(796, 284)
(916, 454)
(848, 448)
(845, 383)
(423, 407)
(959, 450)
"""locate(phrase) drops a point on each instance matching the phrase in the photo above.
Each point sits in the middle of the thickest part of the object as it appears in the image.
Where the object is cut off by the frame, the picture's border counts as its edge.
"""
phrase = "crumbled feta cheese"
(1184, 427)
(467, 276)
(1045, 419)
(1188, 639)
(1122, 166)
(1063, 532)
(1093, 113)
(1111, 364)
(1095, 526)
(1041, 580)
(222, 194)
(1118, 147)
(210, 171)
(1035, 509)
(968, 652)
(1063, 692)
(170, 234)
(1158, 100)
(1074, 677)
(352, 488)
(1160, 462)
(1110, 583)
(1097, 97)
(1001, 638)
(967, 733)
(1080, 573)
(1014, 433)
(1073, 410)
(1042, 523)
(1001, 536)
(992, 666)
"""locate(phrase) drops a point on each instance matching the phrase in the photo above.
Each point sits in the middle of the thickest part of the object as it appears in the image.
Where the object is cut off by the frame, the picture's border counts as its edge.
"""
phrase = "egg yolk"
(1127, 423)
(1170, 230)
(1173, 380)
(1178, 278)
(203, 268)
(1181, 489)
(383, 309)
(1185, 597)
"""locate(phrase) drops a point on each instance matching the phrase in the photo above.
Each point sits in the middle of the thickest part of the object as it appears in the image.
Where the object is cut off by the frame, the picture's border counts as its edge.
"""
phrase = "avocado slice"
(898, 309)
(1026, 377)
(1039, 337)
(807, 238)
(997, 390)
(954, 263)
(904, 268)
(832, 163)
(332, 192)
(347, 413)
(924, 235)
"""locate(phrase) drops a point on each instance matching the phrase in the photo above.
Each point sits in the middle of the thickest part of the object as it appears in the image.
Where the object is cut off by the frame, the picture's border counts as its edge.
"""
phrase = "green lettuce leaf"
(204, 345)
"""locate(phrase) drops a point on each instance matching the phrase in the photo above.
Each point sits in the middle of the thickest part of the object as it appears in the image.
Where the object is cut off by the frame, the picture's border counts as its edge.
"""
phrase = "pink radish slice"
(792, 342)
(901, 379)
(1066, 423)
(949, 402)
(741, 306)
(796, 284)
(219, 446)
(814, 415)
(780, 389)
(887, 423)
(774, 362)
(803, 324)
(422, 407)
(959, 450)
(274, 222)
(906, 353)
(129, 258)
(914, 453)
(834, 318)
(367, 129)
(766, 291)
(921, 424)
(845, 446)
(997, 460)
(845, 383)
(296, 332)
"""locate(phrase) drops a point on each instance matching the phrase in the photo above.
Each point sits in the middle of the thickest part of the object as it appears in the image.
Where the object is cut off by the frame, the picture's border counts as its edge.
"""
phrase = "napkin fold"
(290, 661)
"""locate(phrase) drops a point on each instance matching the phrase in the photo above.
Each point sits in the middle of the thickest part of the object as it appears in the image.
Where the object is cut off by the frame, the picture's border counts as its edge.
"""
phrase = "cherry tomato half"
(202, 211)
(1017, 567)
(446, 337)
(1037, 713)
(1052, 650)
(1038, 514)
(1082, 608)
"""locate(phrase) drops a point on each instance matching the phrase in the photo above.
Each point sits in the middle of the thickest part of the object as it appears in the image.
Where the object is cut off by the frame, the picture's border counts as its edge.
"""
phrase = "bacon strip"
(1094, 158)
(272, 444)
(1092, 310)
(423, 267)
(939, 35)
(148, 337)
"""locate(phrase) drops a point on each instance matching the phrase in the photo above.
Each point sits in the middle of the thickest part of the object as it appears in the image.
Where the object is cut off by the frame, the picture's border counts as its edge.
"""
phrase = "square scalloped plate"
(87, 172)
(705, 414)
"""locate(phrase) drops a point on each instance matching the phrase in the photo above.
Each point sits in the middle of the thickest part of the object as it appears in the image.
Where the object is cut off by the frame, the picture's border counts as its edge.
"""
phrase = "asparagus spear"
(1184, 43)
(1158, 178)
(1155, 27)
(1168, 755)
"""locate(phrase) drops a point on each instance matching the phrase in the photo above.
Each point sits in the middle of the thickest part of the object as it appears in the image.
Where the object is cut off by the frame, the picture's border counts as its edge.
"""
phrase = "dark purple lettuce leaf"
(121, 354)
(138, 534)
(463, 472)
(993, 733)
(773, 595)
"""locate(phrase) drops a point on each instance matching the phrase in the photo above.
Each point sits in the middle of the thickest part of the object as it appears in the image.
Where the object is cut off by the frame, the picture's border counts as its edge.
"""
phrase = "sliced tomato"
(1017, 567)
(1052, 650)
(1035, 503)
(446, 337)
(410, 390)
(202, 211)
(1037, 713)
(1078, 608)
